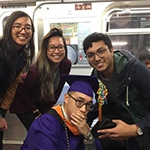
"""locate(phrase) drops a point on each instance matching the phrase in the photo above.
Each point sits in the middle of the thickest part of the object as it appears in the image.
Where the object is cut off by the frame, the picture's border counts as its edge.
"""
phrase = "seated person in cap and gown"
(65, 126)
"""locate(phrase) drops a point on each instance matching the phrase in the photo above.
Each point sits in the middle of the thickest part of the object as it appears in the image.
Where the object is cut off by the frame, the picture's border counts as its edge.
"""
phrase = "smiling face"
(22, 31)
(56, 52)
(103, 59)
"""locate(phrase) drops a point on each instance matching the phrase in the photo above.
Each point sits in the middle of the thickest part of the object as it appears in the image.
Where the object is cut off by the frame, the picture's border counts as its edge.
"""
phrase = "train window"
(122, 21)
(128, 30)
(72, 52)
(4, 21)
(131, 43)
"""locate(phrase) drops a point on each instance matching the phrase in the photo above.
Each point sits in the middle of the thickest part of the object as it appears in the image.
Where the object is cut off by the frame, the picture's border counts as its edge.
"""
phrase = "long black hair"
(44, 67)
(8, 46)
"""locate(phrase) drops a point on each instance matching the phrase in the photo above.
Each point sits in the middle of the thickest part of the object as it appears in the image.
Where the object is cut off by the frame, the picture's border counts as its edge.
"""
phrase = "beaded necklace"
(66, 131)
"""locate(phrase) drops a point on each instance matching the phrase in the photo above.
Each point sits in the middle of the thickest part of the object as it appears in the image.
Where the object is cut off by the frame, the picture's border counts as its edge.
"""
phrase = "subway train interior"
(126, 22)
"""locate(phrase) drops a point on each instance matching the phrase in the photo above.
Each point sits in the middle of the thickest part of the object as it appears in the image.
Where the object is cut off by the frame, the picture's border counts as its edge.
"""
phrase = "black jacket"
(133, 89)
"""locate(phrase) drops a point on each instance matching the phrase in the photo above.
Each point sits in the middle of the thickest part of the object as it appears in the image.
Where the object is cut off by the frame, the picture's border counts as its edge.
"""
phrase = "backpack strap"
(55, 114)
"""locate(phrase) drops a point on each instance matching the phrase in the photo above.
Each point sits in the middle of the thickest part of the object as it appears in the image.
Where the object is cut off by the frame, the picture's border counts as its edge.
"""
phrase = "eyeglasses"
(19, 28)
(100, 53)
(52, 48)
(80, 103)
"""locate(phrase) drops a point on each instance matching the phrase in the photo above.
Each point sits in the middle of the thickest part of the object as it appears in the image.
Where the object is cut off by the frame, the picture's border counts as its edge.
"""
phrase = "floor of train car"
(14, 136)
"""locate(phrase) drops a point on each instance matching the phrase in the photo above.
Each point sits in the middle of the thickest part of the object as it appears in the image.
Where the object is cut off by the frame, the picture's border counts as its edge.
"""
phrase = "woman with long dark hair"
(16, 51)
(41, 87)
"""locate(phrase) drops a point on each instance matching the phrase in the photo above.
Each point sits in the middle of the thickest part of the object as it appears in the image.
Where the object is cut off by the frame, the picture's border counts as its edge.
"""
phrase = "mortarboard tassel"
(102, 98)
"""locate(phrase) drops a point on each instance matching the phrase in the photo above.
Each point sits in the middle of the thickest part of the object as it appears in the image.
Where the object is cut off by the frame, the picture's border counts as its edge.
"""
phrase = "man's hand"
(121, 132)
(3, 124)
(79, 120)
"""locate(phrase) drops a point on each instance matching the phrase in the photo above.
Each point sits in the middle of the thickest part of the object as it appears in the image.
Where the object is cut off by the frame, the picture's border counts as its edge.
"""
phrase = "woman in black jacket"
(16, 49)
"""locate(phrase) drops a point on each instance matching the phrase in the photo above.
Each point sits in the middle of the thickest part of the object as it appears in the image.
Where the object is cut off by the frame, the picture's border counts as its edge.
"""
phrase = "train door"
(76, 21)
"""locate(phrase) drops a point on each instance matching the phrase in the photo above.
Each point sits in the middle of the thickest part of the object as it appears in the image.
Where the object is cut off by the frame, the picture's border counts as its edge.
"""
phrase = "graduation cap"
(82, 83)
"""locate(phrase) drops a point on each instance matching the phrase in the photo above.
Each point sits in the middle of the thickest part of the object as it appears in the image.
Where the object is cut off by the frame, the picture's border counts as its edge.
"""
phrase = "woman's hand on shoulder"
(3, 124)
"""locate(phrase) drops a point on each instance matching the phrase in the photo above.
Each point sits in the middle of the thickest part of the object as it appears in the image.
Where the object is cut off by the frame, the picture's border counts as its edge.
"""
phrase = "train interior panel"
(126, 22)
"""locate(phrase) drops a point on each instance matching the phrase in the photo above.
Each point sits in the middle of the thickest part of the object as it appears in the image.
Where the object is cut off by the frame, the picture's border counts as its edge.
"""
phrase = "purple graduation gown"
(46, 133)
